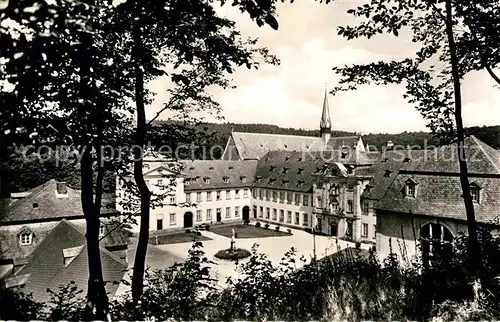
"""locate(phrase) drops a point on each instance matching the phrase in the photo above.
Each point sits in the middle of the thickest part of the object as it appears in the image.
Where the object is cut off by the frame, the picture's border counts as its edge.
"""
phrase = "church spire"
(325, 126)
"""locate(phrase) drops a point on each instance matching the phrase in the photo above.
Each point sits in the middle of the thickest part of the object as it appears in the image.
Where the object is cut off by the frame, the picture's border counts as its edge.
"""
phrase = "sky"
(291, 94)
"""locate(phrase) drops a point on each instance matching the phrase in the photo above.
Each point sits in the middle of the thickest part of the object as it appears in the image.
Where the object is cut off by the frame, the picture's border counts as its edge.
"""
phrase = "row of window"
(218, 195)
(200, 216)
(207, 180)
(281, 196)
(411, 190)
(291, 218)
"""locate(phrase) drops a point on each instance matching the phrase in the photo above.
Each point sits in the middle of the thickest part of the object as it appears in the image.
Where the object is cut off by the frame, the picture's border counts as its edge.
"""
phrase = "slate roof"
(49, 206)
(256, 145)
(238, 174)
(10, 248)
(436, 173)
(295, 171)
(46, 268)
(440, 196)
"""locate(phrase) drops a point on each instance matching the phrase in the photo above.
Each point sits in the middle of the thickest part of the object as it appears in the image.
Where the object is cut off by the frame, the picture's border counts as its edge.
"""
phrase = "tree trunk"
(473, 243)
(97, 300)
(145, 194)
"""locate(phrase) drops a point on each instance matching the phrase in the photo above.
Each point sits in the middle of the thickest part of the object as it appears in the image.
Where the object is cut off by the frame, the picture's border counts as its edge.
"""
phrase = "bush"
(246, 222)
(277, 228)
(198, 233)
(289, 231)
(204, 226)
(257, 224)
(266, 226)
(238, 253)
(308, 230)
(188, 231)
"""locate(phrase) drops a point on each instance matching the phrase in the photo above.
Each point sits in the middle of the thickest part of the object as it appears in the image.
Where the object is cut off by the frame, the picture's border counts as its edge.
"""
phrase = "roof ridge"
(481, 146)
(19, 202)
(277, 134)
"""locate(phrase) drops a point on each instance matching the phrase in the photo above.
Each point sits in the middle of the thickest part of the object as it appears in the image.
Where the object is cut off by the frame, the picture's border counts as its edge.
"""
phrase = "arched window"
(436, 243)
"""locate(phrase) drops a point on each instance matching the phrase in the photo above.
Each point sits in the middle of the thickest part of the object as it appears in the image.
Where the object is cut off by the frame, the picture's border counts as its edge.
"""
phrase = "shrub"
(246, 222)
(257, 224)
(238, 253)
(198, 233)
(266, 226)
(277, 228)
(188, 231)
(289, 231)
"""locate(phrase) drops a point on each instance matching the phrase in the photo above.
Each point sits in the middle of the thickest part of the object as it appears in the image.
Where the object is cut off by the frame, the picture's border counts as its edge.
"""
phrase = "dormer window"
(300, 170)
(243, 179)
(388, 173)
(475, 192)
(258, 178)
(344, 151)
(287, 158)
(35, 205)
(225, 179)
(187, 181)
(231, 168)
(271, 181)
(211, 168)
(406, 159)
(145, 165)
(285, 170)
(284, 183)
(410, 188)
(300, 159)
(368, 189)
(272, 168)
(206, 179)
(26, 238)
(300, 183)
(384, 160)
(191, 169)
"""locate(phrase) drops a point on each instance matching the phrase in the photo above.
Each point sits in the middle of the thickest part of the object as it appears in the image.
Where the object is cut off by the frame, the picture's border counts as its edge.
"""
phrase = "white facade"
(283, 207)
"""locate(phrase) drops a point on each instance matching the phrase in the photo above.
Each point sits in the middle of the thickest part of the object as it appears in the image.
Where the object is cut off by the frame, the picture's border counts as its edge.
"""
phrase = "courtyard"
(273, 246)
(175, 238)
(247, 231)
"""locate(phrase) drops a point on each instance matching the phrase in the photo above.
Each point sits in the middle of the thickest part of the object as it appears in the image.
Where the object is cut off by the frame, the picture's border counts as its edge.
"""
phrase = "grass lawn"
(247, 231)
(176, 238)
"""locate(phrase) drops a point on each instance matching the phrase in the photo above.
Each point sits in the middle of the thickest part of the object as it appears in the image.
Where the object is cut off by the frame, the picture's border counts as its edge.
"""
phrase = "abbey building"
(401, 200)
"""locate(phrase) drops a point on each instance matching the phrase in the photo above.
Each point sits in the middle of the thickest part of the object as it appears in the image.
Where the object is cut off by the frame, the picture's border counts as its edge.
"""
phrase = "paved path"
(156, 258)
(273, 247)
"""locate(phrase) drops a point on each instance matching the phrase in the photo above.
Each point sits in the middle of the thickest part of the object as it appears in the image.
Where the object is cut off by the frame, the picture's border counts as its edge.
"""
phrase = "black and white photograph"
(249, 160)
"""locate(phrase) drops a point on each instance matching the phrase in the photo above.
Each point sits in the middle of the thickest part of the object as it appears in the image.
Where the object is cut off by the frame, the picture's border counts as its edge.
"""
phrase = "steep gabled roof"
(238, 173)
(42, 203)
(439, 191)
(47, 269)
(256, 145)
(441, 196)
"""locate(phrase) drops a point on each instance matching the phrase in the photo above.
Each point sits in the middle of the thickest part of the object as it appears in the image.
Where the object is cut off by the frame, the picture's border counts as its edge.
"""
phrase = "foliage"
(66, 304)
(232, 254)
(348, 285)
(18, 306)
(179, 292)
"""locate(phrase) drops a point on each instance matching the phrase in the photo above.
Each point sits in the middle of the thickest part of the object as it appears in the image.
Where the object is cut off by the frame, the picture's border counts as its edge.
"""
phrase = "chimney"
(61, 189)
